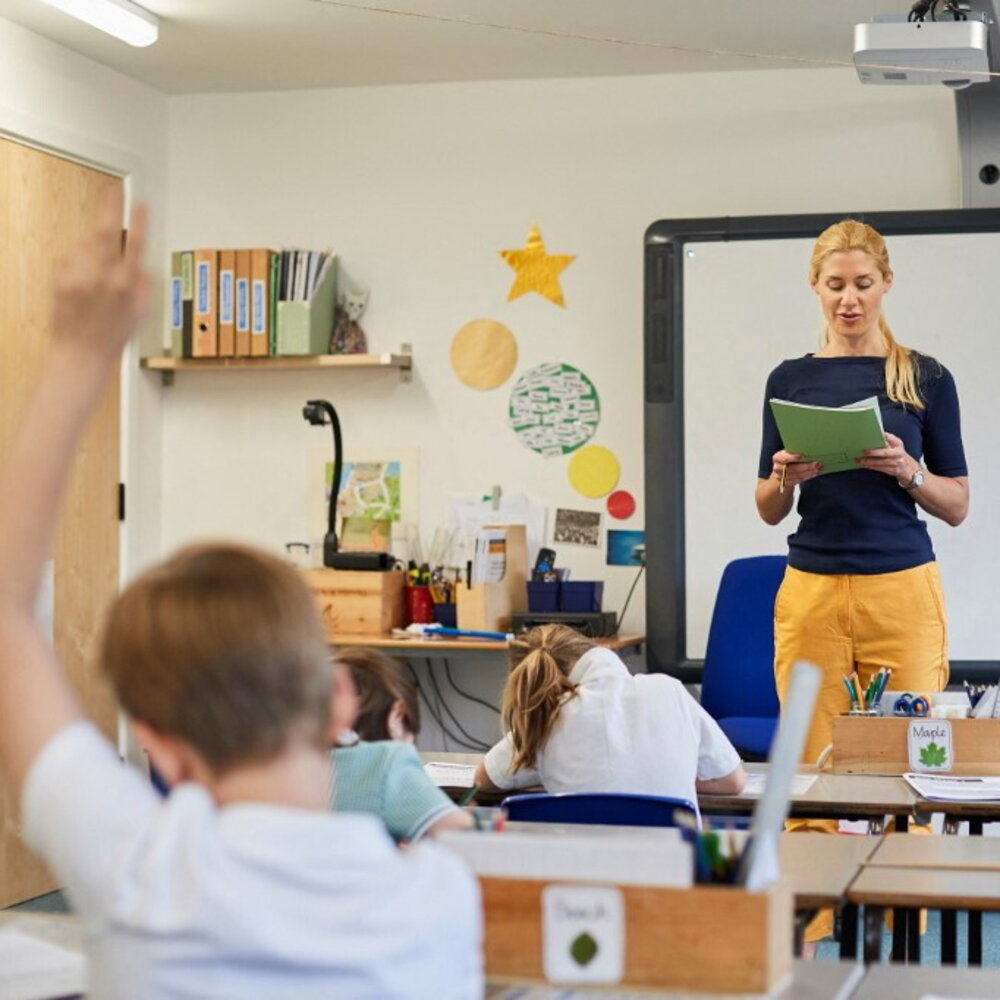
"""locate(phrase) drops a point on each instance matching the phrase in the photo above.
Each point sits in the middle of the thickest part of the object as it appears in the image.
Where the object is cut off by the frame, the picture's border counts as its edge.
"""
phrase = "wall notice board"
(726, 300)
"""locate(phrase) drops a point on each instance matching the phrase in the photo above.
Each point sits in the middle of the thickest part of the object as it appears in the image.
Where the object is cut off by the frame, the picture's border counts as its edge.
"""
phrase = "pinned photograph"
(626, 548)
(577, 527)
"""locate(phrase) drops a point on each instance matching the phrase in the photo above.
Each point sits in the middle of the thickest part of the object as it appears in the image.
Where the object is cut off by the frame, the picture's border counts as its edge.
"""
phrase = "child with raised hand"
(380, 771)
(578, 721)
(241, 883)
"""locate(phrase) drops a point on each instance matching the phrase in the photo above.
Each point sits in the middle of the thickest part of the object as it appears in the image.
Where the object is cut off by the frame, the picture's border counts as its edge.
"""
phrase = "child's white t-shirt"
(180, 898)
(620, 732)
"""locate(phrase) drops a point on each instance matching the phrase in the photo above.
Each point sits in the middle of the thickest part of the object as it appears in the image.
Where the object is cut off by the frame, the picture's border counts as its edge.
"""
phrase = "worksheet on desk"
(955, 788)
(756, 781)
(446, 775)
(32, 967)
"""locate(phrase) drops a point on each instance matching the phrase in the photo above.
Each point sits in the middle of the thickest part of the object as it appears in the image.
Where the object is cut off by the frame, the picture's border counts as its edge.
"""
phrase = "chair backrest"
(738, 678)
(610, 808)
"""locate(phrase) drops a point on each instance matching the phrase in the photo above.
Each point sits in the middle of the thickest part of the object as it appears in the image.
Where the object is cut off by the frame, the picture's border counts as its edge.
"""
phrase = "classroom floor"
(930, 943)
(51, 902)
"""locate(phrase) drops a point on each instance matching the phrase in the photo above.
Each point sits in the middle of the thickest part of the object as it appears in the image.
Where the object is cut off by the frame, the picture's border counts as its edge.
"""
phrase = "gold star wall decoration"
(536, 270)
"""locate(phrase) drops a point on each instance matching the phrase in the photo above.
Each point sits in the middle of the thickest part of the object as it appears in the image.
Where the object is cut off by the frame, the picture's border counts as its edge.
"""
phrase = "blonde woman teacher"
(862, 589)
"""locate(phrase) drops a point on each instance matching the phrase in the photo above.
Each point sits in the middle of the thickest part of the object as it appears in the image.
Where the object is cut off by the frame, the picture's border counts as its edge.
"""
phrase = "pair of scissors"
(909, 704)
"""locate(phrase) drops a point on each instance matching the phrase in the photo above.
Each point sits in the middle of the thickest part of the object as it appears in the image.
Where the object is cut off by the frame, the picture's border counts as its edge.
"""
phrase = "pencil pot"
(419, 606)
(581, 595)
(543, 596)
(444, 615)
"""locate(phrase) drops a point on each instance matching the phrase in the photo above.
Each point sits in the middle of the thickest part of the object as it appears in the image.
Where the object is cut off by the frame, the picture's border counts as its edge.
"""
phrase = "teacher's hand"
(892, 460)
(795, 470)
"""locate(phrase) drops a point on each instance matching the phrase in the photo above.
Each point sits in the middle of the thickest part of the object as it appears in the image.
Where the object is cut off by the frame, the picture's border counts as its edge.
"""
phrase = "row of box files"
(251, 303)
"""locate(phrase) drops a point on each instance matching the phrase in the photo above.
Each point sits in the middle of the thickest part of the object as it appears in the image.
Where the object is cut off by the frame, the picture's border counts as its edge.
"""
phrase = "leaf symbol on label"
(583, 949)
(933, 756)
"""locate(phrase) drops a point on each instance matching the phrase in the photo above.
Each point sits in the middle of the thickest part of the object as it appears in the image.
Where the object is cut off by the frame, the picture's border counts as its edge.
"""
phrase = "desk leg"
(802, 918)
(913, 936)
(975, 916)
(874, 917)
(849, 932)
(876, 825)
(900, 920)
(949, 937)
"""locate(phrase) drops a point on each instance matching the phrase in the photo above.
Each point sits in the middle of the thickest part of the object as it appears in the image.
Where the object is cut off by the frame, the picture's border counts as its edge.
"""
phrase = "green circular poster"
(554, 408)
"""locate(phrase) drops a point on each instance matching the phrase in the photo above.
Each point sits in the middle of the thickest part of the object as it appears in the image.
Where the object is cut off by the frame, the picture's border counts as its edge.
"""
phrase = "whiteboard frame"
(663, 393)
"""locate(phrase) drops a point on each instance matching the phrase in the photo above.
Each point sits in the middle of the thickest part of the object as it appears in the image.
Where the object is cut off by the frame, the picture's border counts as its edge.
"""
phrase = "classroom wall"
(55, 99)
(418, 187)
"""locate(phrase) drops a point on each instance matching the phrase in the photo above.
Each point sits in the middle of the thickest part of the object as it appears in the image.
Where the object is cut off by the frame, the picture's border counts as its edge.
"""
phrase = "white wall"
(418, 188)
(55, 99)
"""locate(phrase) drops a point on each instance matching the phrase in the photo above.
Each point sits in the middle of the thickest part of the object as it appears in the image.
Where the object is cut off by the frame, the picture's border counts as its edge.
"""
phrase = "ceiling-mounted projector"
(894, 50)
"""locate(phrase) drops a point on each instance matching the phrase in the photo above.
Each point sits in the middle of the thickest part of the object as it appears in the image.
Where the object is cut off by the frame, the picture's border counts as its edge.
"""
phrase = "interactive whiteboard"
(726, 301)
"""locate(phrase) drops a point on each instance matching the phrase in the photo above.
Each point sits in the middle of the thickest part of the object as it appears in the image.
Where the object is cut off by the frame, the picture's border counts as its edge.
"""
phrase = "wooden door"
(46, 205)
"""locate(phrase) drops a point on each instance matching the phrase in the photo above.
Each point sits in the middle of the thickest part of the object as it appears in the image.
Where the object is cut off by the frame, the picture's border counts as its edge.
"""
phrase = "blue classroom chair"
(737, 686)
(605, 808)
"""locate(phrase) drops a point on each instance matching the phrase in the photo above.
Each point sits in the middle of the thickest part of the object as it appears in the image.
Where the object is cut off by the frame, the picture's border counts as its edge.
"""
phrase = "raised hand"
(102, 292)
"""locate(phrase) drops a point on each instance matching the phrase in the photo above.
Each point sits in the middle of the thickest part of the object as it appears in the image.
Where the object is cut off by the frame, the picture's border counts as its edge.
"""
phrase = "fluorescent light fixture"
(121, 18)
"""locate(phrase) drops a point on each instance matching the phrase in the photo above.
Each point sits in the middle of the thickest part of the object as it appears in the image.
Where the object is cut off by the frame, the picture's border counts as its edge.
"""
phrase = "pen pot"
(419, 606)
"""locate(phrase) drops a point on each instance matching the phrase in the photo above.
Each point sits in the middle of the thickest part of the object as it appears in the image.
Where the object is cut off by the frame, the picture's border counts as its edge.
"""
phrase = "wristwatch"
(916, 482)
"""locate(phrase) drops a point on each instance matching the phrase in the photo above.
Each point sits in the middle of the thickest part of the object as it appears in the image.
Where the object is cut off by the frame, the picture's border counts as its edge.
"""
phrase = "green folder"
(833, 435)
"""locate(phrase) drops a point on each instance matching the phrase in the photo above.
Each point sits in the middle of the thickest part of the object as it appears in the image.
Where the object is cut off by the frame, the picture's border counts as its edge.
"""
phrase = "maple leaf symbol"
(933, 756)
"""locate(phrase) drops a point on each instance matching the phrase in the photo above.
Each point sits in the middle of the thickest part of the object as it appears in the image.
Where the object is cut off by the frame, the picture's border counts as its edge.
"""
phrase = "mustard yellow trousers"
(845, 623)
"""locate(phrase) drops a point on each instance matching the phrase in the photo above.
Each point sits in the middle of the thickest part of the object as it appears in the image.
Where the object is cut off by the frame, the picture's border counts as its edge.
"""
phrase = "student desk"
(832, 796)
(422, 646)
(810, 981)
(882, 982)
(946, 873)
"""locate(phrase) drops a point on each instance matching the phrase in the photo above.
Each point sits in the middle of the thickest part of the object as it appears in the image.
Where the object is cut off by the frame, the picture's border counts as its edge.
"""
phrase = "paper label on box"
(930, 745)
(583, 934)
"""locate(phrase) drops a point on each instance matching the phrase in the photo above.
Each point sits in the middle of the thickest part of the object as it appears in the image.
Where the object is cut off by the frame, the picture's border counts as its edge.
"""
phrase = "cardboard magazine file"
(489, 606)
(675, 939)
(358, 602)
(881, 745)
(304, 328)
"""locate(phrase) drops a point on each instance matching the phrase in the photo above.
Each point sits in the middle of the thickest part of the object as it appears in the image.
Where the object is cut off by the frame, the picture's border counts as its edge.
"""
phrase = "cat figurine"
(348, 337)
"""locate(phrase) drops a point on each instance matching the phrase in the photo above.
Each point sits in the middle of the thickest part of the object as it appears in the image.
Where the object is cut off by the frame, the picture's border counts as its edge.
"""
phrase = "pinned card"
(930, 747)
(583, 934)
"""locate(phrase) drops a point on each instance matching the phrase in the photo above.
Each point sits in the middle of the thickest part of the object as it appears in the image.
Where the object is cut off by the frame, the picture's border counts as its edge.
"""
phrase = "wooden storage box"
(711, 939)
(881, 745)
(356, 602)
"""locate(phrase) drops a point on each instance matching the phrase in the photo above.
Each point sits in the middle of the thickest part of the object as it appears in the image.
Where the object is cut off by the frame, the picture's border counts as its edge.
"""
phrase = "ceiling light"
(121, 18)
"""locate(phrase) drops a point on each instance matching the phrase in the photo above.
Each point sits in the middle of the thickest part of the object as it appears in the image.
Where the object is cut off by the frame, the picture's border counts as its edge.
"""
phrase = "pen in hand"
(781, 482)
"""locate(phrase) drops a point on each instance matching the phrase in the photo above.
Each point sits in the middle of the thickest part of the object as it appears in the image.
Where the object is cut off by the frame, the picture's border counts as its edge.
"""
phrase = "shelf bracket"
(406, 372)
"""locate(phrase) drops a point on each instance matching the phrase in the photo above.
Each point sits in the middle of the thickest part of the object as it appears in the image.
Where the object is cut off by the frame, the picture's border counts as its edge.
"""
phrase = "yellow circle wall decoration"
(594, 471)
(483, 354)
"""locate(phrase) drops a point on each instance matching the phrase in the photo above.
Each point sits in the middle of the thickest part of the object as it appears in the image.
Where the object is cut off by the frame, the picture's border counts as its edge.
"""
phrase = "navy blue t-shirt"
(861, 521)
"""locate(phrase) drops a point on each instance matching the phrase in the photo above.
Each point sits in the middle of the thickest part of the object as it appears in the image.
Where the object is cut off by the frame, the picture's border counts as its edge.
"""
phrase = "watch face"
(917, 480)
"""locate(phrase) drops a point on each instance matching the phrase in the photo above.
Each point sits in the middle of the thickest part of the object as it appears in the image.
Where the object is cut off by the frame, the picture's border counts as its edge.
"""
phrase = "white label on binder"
(930, 745)
(583, 934)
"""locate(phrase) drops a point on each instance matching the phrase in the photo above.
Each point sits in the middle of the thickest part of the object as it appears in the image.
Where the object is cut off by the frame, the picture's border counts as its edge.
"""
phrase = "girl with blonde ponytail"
(576, 720)
(862, 590)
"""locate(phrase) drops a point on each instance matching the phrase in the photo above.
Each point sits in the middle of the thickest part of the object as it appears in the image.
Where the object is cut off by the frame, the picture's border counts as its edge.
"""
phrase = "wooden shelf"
(169, 366)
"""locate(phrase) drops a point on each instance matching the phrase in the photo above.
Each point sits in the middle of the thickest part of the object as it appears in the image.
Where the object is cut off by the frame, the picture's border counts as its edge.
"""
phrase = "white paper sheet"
(446, 775)
(955, 788)
(756, 780)
(31, 967)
